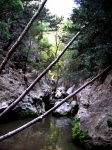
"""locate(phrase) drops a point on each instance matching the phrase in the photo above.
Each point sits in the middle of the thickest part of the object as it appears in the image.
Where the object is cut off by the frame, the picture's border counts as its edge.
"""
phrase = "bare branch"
(44, 72)
(38, 119)
(52, 64)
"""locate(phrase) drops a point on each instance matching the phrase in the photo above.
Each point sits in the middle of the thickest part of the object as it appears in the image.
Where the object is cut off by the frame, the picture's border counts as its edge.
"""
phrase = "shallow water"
(53, 133)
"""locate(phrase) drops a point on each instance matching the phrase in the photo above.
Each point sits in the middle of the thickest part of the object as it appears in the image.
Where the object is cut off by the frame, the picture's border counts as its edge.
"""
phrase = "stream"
(52, 133)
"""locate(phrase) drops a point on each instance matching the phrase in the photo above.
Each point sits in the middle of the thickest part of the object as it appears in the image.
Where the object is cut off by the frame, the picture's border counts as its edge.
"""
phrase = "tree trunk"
(51, 65)
(21, 36)
(44, 72)
(38, 119)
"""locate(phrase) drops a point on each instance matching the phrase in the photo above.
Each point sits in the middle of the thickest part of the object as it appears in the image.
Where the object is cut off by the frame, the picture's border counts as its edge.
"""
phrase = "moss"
(70, 100)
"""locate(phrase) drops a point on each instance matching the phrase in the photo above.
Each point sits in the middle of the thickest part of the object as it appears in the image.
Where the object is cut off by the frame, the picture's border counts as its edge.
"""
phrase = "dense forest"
(89, 54)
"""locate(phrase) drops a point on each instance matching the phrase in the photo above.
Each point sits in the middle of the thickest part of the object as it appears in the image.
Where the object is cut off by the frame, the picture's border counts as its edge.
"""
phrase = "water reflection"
(51, 134)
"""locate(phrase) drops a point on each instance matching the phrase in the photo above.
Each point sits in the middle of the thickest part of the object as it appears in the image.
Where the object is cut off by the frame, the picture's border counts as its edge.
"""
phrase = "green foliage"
(3, 26)
(77, 133)
(55, 22)
(80, 136)
(11, 5)
(40, 31)
(33, 64)
(8, 11)
(16, 5)
(25, 113)
(93, 48)
(37, 30)
(44, 44)
(70, 100)
(109, 122)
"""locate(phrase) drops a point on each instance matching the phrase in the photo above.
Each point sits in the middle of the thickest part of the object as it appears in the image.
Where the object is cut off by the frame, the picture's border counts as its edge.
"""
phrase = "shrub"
(25, 113)
(77, 133)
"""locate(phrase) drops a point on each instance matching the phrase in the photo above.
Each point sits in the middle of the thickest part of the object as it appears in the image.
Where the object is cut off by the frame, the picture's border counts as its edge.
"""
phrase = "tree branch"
(52, 64)
(38, 119)
(45, 71)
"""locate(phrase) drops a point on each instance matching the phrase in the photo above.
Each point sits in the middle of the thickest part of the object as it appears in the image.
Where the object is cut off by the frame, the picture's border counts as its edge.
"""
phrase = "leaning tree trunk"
(25, 31)
(38, 119)
(51, 65)
(44, 72)
(21, 36)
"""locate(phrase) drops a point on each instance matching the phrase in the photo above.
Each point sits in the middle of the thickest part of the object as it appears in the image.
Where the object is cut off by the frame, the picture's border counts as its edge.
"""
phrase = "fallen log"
(38, 119)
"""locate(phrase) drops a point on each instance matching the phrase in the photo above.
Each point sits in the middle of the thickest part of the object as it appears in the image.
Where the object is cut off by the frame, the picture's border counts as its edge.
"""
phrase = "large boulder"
(66, 108)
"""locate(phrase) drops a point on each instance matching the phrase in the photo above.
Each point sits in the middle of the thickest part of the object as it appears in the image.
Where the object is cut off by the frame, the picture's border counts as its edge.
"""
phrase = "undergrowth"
(25, 113)
(79, 136)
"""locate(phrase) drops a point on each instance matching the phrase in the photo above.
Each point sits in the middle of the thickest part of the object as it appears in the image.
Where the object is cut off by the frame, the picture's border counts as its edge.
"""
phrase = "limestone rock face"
(12, 85)
(95, 109)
